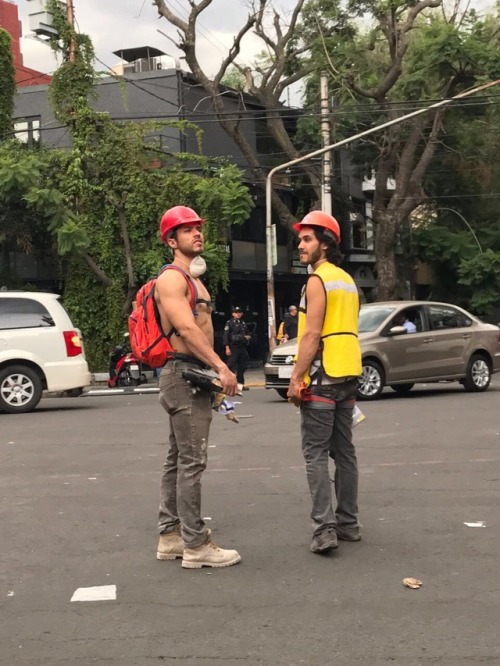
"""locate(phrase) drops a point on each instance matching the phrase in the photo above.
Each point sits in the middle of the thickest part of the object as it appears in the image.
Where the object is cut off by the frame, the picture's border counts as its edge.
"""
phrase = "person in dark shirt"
(235, 340)
(291, 323)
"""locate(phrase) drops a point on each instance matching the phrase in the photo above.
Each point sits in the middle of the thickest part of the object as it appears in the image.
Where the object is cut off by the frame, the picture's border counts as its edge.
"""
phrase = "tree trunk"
(385, 244)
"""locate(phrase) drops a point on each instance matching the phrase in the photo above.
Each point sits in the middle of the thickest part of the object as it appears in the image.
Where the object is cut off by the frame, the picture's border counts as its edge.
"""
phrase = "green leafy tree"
(385, 59)
(412, 53)
(482, 273)
(34, 218)
(116, 180)
(7, 84)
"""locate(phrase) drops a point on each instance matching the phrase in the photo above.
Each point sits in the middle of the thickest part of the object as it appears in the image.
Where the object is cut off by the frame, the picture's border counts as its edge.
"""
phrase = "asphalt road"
(79, 493)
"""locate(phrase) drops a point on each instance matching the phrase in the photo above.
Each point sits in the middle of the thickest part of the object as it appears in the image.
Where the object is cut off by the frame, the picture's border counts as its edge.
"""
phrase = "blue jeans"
(327, 432)
(180, 491)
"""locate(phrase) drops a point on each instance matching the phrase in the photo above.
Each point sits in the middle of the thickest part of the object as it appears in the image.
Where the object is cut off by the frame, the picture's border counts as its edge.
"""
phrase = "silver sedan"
(408, 342)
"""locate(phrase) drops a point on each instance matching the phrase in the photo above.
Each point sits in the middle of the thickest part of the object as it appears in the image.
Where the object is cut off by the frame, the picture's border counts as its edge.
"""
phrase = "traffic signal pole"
(270, 236)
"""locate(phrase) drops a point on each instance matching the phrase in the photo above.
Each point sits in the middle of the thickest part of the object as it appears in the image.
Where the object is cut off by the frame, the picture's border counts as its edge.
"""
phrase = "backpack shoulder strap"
(192, 286)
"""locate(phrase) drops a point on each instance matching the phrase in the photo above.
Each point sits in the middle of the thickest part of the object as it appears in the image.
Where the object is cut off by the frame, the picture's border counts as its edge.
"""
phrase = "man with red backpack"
(189, 328)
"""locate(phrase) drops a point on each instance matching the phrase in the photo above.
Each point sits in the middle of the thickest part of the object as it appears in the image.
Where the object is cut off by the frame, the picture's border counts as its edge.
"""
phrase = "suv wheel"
(478, 376)
(371, 382)
(20, 389)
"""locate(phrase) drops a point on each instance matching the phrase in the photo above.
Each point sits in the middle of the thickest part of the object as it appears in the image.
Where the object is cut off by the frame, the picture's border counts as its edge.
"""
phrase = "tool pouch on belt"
(327, 396)
(312, 400)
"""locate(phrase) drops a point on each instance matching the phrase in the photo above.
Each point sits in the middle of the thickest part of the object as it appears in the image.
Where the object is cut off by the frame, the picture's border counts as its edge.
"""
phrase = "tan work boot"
(170, 545)
(209, 555)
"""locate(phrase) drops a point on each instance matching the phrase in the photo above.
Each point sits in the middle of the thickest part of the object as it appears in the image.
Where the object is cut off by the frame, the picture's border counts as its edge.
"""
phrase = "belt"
(186, 358)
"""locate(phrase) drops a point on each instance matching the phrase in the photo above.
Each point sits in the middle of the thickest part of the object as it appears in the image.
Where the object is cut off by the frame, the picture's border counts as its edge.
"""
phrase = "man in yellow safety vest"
(324, 381)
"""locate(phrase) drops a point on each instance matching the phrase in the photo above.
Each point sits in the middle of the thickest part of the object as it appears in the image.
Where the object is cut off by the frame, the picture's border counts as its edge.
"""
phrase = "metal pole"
(452, 210)
(70, 16)
(271, 318)
(326, 172)
(320, 151)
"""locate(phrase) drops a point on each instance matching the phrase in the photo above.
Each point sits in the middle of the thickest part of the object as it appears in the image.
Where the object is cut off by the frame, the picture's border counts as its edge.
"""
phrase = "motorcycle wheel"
(127, 380)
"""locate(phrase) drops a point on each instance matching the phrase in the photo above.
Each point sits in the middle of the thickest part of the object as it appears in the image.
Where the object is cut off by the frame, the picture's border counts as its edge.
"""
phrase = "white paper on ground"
(478, 523)
(101, 593)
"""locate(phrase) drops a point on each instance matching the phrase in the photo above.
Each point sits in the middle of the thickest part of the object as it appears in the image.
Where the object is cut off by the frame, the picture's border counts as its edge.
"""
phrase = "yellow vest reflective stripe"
(340, 351)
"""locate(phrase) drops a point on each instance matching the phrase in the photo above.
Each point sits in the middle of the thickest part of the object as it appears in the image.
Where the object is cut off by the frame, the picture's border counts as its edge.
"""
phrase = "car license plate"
(134, 368)
(285, 373)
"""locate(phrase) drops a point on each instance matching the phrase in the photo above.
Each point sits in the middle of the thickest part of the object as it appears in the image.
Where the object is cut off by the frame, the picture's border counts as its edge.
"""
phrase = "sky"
(118, 24)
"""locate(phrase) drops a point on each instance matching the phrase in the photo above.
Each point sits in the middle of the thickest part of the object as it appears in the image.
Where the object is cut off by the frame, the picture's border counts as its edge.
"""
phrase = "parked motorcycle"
(124, 368)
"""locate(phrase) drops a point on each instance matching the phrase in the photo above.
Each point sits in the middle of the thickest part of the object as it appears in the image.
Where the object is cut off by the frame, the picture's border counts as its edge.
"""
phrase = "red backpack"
(147, 339)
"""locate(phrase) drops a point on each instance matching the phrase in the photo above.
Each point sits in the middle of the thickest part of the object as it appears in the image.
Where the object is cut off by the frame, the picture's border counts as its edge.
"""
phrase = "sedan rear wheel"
(20, 389)
(371, 382)
(478, 375)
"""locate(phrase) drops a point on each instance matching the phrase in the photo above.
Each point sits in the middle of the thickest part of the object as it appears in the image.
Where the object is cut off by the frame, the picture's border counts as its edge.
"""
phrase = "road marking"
(101, 593)
(120, 391)
(479, 523)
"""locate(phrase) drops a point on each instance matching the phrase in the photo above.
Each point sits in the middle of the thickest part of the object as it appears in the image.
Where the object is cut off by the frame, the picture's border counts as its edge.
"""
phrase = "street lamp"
(270, 235)
(452, 210)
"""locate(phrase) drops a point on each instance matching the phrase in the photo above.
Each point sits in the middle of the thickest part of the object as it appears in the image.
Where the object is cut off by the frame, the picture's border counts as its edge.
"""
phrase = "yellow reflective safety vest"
(339, 350)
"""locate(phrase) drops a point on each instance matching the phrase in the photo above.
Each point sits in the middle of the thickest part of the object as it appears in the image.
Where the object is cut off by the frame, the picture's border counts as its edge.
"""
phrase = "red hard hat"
(317, 218)
(176, 217)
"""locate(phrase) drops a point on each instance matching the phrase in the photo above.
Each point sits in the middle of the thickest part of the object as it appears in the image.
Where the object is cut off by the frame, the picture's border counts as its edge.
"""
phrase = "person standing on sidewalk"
(324, 381)
(291, 323)
(181, 527)
(236, 339)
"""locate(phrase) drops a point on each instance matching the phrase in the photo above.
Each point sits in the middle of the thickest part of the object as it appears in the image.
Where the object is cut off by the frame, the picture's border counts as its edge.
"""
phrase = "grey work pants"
(327, 432)
(180, 491)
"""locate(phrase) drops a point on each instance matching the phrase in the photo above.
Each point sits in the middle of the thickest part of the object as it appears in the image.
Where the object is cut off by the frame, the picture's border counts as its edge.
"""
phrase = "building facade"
(9, 21)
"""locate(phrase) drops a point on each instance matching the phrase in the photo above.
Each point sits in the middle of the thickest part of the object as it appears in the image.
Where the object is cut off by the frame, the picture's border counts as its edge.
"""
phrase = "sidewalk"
(254, 378)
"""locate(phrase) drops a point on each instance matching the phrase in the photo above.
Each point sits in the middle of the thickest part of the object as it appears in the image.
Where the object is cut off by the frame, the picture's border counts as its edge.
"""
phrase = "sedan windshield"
(370, 318)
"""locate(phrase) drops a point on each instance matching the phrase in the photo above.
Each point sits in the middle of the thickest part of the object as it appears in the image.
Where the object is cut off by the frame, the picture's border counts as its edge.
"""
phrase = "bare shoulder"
(314, 285)
(171, 283)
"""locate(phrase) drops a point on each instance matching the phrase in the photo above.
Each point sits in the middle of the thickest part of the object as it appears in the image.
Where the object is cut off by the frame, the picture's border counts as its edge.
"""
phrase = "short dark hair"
(325, 237)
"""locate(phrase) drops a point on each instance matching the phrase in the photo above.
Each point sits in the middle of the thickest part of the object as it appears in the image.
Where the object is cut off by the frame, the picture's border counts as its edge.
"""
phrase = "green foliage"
(463, 273)
(99, 203)
(7, 84)
(233, 78)
(482, 274)
(441, 57)
(30, 205)
(73, 84)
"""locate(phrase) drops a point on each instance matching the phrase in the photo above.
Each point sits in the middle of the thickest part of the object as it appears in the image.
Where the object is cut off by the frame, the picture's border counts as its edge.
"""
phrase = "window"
(445, 317)
(361, 226)
(27, 130)
(370, 318)
(23, 313)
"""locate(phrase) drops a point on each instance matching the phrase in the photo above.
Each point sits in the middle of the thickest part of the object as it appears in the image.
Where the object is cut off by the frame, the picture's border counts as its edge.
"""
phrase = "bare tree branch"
(267, 91)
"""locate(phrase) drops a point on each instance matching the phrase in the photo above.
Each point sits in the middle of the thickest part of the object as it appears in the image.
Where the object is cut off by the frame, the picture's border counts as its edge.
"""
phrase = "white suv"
(40, 349)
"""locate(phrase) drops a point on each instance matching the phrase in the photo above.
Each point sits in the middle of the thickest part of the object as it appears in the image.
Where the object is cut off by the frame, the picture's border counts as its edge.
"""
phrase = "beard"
(314, 257)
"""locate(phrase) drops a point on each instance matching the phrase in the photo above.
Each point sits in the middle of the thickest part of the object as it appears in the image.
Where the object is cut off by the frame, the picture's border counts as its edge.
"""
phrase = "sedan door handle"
(467, 336)
(427, 340)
